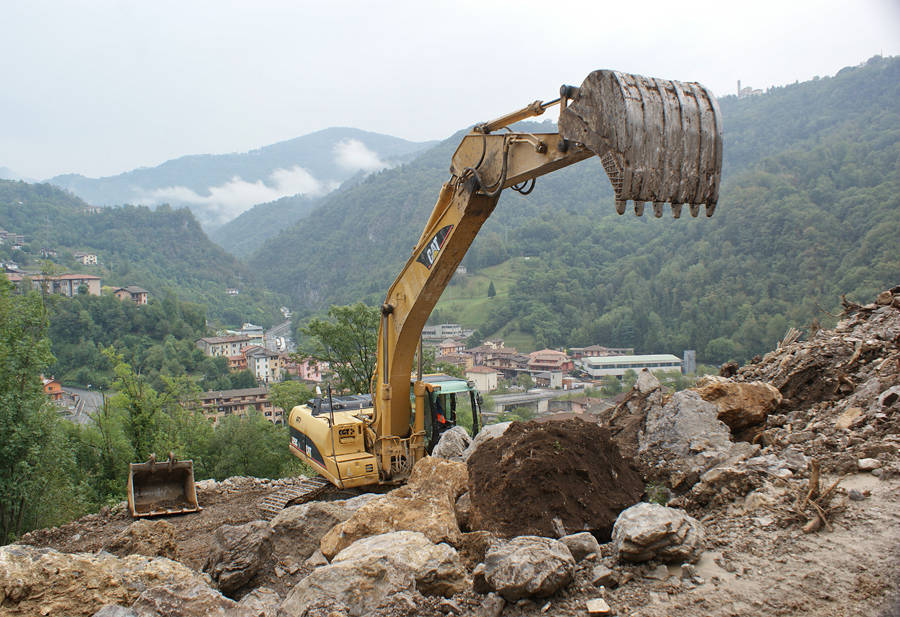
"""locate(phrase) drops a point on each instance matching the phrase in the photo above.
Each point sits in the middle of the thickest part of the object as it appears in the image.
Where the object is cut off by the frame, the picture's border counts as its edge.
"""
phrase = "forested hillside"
(808, 210)
(162, 250)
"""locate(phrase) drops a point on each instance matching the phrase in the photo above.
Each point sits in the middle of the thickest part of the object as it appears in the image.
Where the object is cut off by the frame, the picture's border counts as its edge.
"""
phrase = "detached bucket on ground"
(162, 488)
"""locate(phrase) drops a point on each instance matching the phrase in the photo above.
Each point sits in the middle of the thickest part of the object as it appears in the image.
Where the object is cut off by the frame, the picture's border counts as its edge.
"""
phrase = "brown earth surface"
(193, 535)
(763, 555)
(551, 479)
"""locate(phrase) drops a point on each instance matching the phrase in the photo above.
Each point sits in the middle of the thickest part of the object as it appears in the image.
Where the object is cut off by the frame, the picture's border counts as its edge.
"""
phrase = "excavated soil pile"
(550, 479)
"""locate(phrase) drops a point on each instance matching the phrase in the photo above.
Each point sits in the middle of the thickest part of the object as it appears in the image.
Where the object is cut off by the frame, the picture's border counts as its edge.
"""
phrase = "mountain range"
(219, 187)
(809, 210)
(808, 205)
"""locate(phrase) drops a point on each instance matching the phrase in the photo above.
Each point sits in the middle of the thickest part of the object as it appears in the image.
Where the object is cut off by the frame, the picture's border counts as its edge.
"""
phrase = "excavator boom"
(659, 141)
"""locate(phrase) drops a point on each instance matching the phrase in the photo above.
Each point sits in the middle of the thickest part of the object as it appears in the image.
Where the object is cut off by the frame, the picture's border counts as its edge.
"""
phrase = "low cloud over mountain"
(226, 201)
(217, 188)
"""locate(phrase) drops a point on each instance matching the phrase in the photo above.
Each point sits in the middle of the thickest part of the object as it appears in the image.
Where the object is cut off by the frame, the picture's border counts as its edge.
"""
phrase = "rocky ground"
(772, 490)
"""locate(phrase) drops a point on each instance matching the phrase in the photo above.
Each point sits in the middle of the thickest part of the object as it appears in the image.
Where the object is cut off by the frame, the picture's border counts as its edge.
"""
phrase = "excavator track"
(305, 490)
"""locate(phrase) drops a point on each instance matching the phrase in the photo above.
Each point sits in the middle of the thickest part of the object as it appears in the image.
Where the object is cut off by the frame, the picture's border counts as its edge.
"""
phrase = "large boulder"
(625, 421)
(682, 439)
(648, 531)
(436, 567)
(355, 503)
(528, 566)
(452, 444)
(740, 404)
(146, 537)
(367, 573)
(357, 587)
(186, 600)
(237, 554)
(40, 581)
(426, 504)
(261, 602)
(297, 531)
(487, 433)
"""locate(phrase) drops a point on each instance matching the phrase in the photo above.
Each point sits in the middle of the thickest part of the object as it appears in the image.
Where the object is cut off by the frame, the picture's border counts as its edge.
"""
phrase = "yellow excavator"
(659, 141)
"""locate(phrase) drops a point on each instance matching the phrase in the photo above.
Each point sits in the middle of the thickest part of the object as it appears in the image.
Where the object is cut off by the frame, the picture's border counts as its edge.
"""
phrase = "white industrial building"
(601, 366)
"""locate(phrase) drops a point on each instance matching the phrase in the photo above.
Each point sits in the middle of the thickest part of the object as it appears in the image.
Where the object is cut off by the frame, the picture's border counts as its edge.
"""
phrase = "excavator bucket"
(162, 488)
(658, 140)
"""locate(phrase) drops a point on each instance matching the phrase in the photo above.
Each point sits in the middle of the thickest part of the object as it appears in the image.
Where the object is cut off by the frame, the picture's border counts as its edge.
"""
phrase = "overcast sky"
(101, 87)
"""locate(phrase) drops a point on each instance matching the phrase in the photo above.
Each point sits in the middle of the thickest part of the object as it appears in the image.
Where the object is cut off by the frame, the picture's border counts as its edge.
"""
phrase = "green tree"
(289, 394)
(34, 465)
(517, 414)
(251, 446)
(347, 342)
(675, 380)
(243, 379)
(611, 385)
(491, 291)
(181, 427)
(140, 403)
(102, 453)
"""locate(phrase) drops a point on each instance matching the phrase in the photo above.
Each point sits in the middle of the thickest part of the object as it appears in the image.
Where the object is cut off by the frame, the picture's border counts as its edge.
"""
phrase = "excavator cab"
(450, 401)
(162, 488)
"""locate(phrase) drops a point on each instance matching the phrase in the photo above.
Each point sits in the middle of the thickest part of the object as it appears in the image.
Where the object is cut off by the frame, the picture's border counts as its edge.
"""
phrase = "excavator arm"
(659, 141)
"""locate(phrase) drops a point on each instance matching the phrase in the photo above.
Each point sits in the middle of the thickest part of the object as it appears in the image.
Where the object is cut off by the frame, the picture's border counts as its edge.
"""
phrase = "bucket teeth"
(676, 210)
(657, 139)
(658, 208)
(710, 208)
(621, 205)
(639, 208)
(695, 209)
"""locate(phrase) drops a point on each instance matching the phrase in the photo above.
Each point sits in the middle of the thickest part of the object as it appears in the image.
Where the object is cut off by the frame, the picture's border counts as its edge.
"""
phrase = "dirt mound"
(832, 364)
(838, 387)
(550, 479)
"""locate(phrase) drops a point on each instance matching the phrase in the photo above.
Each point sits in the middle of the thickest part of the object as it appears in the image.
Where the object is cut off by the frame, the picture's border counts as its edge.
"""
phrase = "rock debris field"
(773, 489)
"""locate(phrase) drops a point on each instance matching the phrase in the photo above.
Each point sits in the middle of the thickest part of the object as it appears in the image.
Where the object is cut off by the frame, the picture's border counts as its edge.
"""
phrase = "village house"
(223, 345)
(461, 360)
(13, 239)
(308, 370)
(88, 259)
(442, 331)
(253, 332)
(485, 379)
(265, 365)
(598, 351)
(52, 388)
(133, 293)
(549, 360)
(64, 285)
(451, 346)
(216, 404)
(492, 353)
